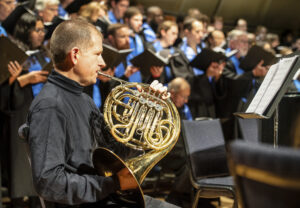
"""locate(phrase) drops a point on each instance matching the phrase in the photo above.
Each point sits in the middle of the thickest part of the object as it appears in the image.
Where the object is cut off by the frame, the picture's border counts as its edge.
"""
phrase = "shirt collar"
(65, 83)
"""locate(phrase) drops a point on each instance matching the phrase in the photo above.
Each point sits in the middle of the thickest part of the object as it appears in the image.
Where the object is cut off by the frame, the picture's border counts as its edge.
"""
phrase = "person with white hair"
(47, 9)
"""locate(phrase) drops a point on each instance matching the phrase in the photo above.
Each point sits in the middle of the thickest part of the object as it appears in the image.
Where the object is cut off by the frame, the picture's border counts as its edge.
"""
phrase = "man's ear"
(74, 55)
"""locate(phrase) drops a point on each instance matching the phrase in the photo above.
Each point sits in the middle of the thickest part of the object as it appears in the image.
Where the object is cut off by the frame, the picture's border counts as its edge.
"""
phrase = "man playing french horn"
(64, 126)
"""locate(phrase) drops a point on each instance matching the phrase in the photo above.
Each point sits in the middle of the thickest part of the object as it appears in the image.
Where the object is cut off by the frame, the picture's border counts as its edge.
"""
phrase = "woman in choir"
(29, 35)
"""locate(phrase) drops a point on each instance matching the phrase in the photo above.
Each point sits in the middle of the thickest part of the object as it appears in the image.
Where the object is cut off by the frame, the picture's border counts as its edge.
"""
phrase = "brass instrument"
(142, 121)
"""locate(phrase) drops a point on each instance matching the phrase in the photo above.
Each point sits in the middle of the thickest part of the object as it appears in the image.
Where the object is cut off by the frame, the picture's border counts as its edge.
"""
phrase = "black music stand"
(275, 84)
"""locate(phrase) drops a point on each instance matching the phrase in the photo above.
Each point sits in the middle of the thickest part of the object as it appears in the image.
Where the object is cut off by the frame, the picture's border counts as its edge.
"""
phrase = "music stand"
(274, 86)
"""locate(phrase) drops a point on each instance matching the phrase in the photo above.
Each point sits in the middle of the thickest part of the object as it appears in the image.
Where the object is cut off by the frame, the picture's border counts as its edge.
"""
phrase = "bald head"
(69, 34)
(180, 91)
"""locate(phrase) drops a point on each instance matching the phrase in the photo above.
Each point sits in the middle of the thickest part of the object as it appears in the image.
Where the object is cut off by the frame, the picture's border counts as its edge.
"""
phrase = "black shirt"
(64, 128)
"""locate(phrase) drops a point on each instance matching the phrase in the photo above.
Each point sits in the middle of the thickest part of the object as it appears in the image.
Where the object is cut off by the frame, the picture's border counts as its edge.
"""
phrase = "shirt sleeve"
(52, 180)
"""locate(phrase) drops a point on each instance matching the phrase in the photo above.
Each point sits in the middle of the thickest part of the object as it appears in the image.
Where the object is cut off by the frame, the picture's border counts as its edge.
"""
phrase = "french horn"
(141, 120)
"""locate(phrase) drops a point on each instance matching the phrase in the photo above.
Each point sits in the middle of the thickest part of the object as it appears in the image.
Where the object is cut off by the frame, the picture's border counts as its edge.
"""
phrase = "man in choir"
(134, 19)
(240, 84)
(241, 24)
(118, 8)
(194, 31)
(154, 17)
(64, 126)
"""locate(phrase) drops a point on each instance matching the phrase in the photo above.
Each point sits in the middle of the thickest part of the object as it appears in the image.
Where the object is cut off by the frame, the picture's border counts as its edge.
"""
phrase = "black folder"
(206, 57)
(9, 51)
(113, 57)
(254, 56)
(48, 67)
(149, 58)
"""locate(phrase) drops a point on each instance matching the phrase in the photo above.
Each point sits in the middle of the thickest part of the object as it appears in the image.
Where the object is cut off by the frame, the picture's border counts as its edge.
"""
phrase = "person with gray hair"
(47, 9)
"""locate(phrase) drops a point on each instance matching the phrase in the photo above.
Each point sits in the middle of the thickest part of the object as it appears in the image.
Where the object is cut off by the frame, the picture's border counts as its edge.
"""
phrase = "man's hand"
(156, 71)
(14, 69)
(127, 181)
(215, 70)
(130, 70)
(260, 70)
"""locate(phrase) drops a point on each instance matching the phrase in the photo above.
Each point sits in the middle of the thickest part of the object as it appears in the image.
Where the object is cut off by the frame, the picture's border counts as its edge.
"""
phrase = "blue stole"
(236, 63)
(36, 66)
(150, 35)
(187, 112)
(3, 31)
(97, 94)
(297, 84)
(158, 47)
(190, 54)
(136, 44)
(112, 18)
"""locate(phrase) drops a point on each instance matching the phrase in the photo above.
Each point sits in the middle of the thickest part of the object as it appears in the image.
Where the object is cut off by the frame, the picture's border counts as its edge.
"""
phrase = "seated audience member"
(134, 19)
(117, 10)
(154, 17)
(47, 9)
(241, 24)
(6, 7)
(180, 91)
(194, 31)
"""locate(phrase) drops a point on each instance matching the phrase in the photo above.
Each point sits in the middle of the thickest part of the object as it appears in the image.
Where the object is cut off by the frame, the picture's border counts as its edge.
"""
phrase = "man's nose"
(102, 62)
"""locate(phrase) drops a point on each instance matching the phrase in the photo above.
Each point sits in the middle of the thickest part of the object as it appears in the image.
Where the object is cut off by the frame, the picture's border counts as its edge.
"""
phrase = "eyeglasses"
(10, 2)
(43, 30)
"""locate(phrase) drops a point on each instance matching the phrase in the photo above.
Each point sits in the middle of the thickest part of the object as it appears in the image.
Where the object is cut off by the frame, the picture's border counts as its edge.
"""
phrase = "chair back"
(264, 176)
(250, 129)
(205, 148)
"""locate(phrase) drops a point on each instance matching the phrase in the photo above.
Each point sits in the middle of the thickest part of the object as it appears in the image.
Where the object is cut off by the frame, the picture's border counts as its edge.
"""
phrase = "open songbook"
(113, 57)
(150, 58)
(272, 89)
(9, 51)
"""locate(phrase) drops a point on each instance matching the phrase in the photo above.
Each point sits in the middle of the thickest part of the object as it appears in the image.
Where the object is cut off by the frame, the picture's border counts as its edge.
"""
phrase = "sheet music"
(262, 89)
(275, 84)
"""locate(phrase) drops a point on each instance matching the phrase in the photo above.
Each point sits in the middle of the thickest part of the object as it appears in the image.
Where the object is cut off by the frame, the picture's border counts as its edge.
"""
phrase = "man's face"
(6, 7)
(89, 62)
(242, 44)
(158, 17)
(218, 38)
(135, 23)
(196, 33)
(121, 38)
(171, 35)
(49, 13)
(120, 8)
(180, 98)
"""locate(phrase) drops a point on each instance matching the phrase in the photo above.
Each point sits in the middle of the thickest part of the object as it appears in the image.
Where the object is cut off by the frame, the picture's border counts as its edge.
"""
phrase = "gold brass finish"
(143, 121)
